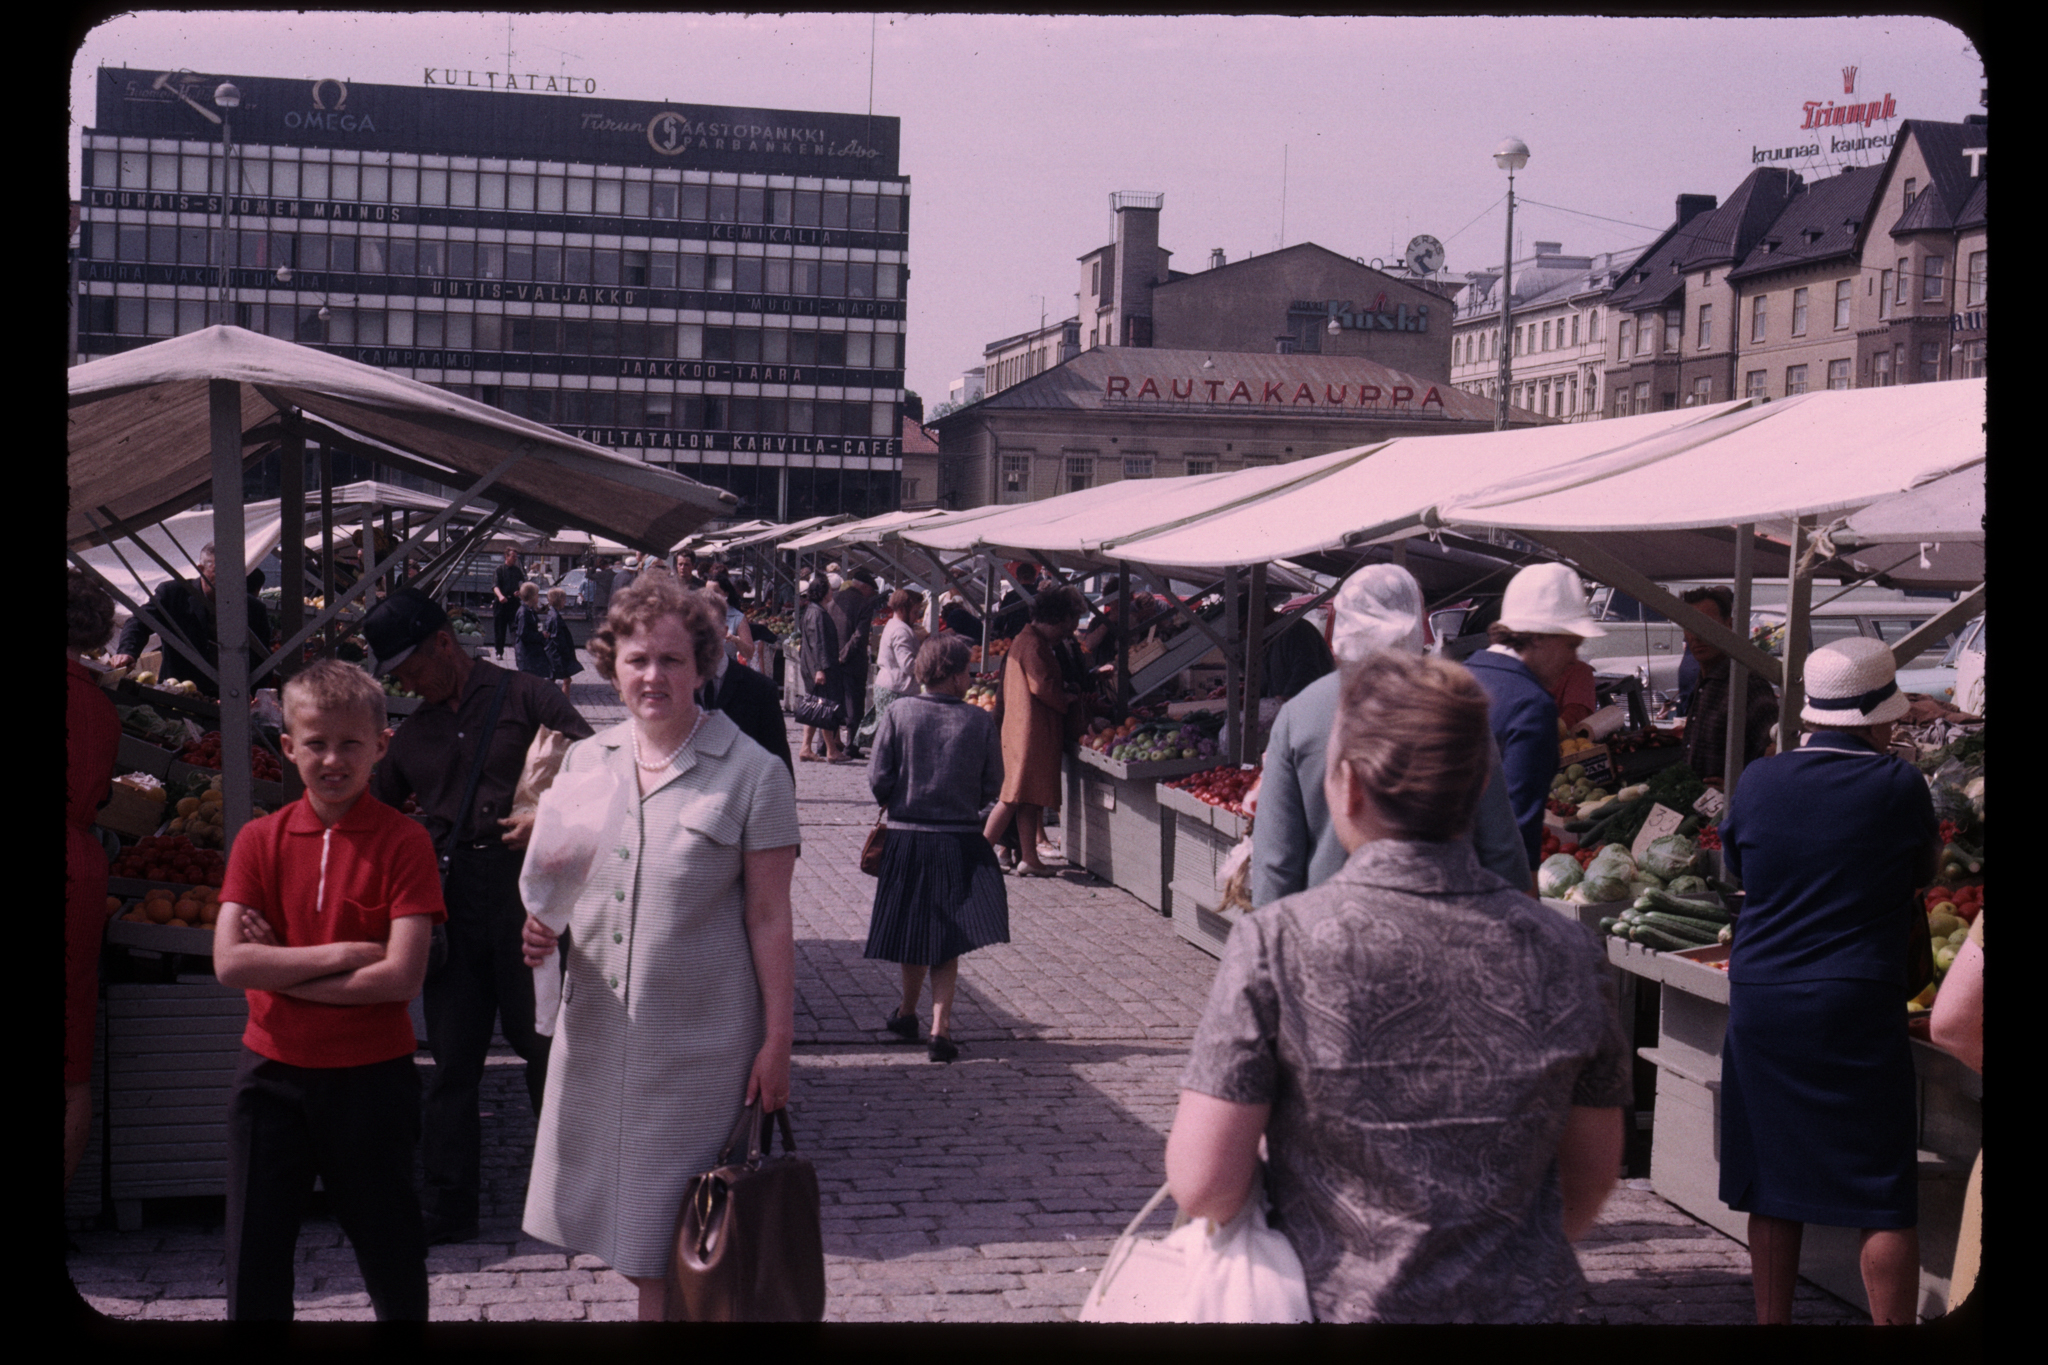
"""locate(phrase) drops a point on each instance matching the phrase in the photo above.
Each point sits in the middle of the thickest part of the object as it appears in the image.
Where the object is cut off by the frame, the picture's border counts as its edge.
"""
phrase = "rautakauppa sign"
(508, 119)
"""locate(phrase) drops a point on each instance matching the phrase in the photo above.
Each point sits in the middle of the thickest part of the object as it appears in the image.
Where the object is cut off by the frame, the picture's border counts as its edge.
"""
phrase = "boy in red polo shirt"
(326, 915)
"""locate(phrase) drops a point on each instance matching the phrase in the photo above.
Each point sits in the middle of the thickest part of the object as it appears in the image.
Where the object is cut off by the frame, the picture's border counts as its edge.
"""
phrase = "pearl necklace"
(663, 764)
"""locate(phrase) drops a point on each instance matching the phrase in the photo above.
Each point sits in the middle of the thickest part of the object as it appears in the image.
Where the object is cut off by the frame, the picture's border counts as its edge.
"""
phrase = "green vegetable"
(1559, 873)
(1701, 908)
(1662, 942)
(1598, 890)
(1704, 930)
(1680, 885)
(1670, 856)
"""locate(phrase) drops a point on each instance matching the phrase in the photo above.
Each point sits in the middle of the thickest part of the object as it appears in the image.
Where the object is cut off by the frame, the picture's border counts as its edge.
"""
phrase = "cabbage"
(1559, 873)
(1639, 883)
(1681, 885)
(1612, 861)
(1670, 856)
(1600, 890)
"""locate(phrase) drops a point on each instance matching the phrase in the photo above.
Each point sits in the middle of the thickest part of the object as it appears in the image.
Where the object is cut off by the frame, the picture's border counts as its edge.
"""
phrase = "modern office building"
(715, 290)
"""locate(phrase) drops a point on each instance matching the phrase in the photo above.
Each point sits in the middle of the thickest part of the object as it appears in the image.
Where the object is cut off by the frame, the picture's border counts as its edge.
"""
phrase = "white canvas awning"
(140, 434)
(1928, 537)
(1392, 492)
(869, 528)
(178, 540)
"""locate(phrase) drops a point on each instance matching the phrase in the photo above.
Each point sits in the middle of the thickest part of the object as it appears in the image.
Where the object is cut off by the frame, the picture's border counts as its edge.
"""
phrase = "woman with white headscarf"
(1294, 845)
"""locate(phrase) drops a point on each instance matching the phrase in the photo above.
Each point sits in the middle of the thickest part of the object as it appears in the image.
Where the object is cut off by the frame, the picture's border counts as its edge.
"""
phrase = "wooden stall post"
(327, 543)
(1735, 748)
(1798, 605)
(1233, 674)
(1123, 637)
(291, 511)
(231, 605)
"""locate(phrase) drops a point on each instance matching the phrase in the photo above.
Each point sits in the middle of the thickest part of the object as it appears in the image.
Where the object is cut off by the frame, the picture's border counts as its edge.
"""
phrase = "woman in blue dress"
(1818, 1118)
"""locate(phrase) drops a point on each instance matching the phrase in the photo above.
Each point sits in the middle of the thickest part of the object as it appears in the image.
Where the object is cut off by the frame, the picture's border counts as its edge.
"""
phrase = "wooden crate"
(1113, 828)
(131, 813)
(170, 1058)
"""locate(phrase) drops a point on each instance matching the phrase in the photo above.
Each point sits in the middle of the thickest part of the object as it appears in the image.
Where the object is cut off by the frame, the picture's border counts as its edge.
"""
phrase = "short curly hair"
(1059, 604)
(643, 602)
(88, 612)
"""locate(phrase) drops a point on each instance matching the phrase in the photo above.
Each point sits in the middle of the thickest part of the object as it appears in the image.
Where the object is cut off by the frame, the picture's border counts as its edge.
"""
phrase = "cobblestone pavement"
(989, 1190)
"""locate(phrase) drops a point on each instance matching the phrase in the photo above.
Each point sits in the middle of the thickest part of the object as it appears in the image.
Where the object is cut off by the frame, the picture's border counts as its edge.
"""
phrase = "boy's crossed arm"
(246, 954)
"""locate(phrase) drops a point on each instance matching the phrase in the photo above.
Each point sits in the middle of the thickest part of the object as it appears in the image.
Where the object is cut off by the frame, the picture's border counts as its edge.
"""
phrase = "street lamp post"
(227, 98)
(1510, 156)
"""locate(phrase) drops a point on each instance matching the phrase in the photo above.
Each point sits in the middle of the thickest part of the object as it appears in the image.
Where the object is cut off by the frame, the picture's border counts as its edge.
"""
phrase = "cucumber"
(1608, 922)
(1663, 943)
(1711, 910)
(1704, 930)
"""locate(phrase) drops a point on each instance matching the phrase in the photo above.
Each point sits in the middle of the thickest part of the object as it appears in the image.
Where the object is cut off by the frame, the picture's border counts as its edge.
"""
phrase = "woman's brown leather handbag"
(748, 1243)
(871, 847)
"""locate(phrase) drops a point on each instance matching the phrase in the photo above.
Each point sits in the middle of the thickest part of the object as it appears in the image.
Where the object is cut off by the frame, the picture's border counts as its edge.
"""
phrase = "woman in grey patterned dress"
(678, 1005)
(1433, 1057)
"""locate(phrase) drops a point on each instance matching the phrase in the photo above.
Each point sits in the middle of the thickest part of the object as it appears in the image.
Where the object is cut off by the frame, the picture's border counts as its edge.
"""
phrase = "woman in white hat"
(1378, 610)
(1543, 617)
(1817, 1087)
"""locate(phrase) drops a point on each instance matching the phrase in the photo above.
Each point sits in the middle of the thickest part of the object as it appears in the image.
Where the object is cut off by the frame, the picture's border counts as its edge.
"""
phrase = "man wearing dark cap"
(853, 614)
(505, 595)
(483, 978)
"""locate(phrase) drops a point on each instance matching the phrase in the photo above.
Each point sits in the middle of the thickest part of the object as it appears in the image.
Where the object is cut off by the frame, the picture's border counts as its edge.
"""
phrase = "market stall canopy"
(867, 529)
(721, 539)
(1815, 454)
(178, 540)
(140, 438)
(1391, 493)
(776, 535)
(1928, 537)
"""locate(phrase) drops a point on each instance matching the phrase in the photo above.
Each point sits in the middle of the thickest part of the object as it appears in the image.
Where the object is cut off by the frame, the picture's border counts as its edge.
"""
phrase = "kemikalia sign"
(1274, 393)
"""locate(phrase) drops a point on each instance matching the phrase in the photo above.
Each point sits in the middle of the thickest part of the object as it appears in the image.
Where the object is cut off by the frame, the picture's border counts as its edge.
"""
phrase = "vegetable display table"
(1202, 836)
(1112, 824)
(1685, 1136)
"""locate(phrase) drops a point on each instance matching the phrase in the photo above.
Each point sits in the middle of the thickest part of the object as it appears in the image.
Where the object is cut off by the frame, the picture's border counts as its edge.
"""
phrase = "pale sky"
(1353, 133)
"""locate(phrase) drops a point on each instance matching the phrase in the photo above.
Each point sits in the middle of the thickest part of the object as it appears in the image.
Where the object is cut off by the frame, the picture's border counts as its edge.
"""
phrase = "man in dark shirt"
(600, 590)
(853, 613)
(483, 977)
(1706, 726)
(505, 591)
(753, 703)
(189, 609)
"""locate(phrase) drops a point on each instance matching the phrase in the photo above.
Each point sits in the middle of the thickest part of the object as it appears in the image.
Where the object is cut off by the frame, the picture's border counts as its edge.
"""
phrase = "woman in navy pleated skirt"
(935, 765)
(1818, 1095)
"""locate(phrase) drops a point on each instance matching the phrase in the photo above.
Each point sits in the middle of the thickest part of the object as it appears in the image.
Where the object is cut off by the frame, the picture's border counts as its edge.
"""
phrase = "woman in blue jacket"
(1543, 617)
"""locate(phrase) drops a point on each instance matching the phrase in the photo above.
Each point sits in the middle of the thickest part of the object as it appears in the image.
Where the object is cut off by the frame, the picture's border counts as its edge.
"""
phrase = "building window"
(1881, 370)
(1973, 360)
(1753, 385)
(1884, 293)
(1643, 335)
(1907, 201)
(1575, 329)
(1016, 478)
(1622, 331)
(1080, 471)
(1621, 404)
(1674, 327)
(1977, 277)
(1844, 291)
(1702, 391)
(1930, 361)
(1758, 317)
(1838, 374)
(1643, 396)
(1933, 274)
(1201, 464)
(1899, 292)
(1799, 312)
(1706, 328)
(1546, 336)
(1137, 466)
(1593, 326)
(1795, 379)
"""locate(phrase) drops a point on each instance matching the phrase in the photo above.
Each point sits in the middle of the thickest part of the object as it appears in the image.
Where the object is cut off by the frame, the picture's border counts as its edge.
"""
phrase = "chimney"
(1137, 263)
(1215, 257)
(1691, 206)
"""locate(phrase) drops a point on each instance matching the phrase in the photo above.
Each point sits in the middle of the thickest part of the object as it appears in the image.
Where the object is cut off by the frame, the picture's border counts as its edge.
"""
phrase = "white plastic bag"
(1243, 1271)
(569, 828)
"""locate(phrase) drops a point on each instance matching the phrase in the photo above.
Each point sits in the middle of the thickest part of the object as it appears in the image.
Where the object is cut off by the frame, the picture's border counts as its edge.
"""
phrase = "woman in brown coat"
(1035, 701)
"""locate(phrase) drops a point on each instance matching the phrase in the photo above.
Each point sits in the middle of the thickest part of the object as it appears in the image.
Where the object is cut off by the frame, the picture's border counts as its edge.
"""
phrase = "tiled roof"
(1950, 185)
(1821, 221)
(1139, 380)
(917, 440)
